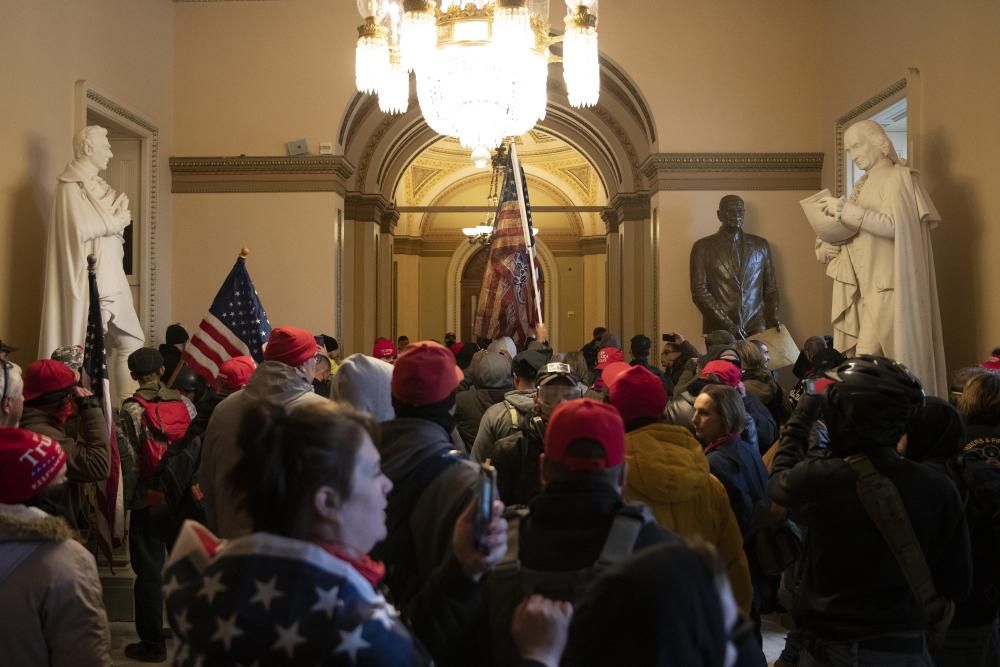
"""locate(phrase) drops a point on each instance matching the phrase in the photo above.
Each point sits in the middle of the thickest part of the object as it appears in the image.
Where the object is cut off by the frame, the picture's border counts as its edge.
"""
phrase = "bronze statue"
(732, 280)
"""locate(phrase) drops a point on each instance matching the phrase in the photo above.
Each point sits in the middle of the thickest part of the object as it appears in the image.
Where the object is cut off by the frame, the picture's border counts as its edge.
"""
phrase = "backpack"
(979, 470)
(509, 583)
(165, 421)
(516, 458)
(398, 550)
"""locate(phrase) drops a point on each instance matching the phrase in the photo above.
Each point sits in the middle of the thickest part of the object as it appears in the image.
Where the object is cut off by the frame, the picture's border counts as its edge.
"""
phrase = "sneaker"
(146, 652)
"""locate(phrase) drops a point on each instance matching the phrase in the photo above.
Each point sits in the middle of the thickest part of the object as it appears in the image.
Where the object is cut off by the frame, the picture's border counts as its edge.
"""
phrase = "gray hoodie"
(497, 422)
(365, 383)
(273, 382)
(51, 610)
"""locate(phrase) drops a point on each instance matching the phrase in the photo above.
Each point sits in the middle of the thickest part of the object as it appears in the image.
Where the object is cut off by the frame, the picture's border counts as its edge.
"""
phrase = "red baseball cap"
(613, 370)
(585, 419)
(29, 462)
(606, 355)
(46, 375)
(425, 373)
(235, 373)
(384, 349)
(290, 345)
(724, 370)
(636, 393)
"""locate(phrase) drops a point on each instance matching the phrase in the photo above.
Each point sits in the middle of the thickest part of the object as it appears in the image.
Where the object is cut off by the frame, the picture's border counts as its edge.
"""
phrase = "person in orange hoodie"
(668, 471)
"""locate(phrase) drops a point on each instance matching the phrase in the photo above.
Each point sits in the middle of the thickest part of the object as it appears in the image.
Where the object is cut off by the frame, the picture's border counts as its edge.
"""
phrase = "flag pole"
(528, 240)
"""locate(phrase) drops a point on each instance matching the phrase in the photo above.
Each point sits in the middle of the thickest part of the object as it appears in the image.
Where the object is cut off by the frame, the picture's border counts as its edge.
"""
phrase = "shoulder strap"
(885, 507)
(515, 418)
(511, 562)
(625, 529)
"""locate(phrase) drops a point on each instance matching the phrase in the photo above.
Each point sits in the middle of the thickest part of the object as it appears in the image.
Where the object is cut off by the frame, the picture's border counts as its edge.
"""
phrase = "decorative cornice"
(407, 245)
(734, 171)
(593, 245)
(626, 207)
(308, 173)
(365, 207)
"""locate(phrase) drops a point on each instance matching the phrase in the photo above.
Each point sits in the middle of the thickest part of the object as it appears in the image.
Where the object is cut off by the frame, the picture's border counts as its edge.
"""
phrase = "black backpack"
(516, 458)
(398, 550)
(510, 582)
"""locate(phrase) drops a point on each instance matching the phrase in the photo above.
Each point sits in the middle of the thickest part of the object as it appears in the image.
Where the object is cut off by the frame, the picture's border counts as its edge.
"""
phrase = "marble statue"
(732, 279)
(89, 217)
(885, 291)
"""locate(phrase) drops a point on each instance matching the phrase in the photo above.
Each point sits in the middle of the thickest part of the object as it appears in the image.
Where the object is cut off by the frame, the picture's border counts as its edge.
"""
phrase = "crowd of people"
(481, 503)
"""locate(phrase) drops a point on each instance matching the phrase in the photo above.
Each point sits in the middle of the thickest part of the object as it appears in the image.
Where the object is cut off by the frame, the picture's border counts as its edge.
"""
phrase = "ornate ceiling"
(442, 175)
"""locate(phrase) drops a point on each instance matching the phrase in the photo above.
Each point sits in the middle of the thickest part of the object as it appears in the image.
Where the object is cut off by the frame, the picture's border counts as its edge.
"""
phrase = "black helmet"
(873, 398)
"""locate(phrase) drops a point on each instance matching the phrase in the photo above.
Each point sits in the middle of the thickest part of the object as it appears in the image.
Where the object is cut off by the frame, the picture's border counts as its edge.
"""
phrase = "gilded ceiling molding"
(734, 171)
(308, 173)
(373, 143)
(616, 127)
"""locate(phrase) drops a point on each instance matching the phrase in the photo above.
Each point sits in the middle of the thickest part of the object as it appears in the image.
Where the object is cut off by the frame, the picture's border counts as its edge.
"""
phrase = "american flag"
(262, 599)
(507, 300)
(236, 325)
(108, 500)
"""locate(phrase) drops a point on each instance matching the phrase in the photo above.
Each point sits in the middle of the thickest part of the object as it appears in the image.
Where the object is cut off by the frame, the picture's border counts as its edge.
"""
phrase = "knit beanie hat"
(290, 345)
(29, 462)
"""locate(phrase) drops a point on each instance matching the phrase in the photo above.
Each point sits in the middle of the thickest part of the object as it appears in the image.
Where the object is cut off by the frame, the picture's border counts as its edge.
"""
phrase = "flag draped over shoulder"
(507, 304)
(108, 500)
(236, 325)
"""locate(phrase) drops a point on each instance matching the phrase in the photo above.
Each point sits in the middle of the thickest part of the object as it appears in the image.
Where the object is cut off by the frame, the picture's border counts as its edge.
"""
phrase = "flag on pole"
(236, 325)
(509, 301)
(108, 500)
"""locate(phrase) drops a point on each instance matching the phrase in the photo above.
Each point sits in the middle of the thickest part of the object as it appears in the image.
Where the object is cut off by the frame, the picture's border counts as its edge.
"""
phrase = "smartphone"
(485, 496)
(669, 338)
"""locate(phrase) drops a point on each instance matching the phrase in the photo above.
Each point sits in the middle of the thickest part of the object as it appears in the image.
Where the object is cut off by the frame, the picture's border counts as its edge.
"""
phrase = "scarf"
(372, 570)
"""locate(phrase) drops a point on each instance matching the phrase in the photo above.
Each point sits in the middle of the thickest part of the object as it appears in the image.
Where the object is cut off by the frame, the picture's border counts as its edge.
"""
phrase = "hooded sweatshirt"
(272, 383)
(497, 422)
(668, 471)
(51, 610)
(493, 381)
(365, 383)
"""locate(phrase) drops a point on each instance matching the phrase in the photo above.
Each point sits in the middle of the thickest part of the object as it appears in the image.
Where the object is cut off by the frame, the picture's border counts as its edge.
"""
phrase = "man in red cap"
(51, 397)
(51, 608)
(578, 520)
(285, 378)
(670, 474)
(432, 483)
(605, 356)
(385, 350)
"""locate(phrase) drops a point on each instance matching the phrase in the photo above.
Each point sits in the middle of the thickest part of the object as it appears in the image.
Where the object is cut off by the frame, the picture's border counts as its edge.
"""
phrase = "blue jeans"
(819, 653)
(970, 647)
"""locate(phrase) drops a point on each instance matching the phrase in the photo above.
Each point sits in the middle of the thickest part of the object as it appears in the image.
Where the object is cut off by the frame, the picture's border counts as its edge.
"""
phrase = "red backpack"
(165, 422)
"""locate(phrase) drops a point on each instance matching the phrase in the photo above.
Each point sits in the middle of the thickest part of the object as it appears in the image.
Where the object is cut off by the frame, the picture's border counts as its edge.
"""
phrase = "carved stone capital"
(626, 207)
(307, 173)
(389, 220)
(733, 171)
(365, 207)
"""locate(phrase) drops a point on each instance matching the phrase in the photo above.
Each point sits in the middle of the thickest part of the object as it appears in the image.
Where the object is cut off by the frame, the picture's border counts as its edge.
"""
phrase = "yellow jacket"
(668, 471)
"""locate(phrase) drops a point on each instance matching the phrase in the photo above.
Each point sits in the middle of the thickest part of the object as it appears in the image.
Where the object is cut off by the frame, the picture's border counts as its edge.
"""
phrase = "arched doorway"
(471, 285)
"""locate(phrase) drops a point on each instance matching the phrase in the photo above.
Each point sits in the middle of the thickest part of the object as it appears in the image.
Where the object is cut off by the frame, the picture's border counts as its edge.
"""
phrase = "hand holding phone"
(485, 495)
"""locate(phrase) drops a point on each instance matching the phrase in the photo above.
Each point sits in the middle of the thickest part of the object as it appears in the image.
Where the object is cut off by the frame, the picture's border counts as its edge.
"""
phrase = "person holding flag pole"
(529, 239)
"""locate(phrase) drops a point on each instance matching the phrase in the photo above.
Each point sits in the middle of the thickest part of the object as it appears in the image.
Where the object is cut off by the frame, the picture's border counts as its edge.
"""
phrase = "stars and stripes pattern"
(236, 325)
(507, 304)
(267, 600)
(108, 499)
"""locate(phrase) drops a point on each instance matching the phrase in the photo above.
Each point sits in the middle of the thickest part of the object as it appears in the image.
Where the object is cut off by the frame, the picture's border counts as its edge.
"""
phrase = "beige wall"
(407, 296)
(433, 303)
(572, 297)
(125, 48)
(687, 216)
(293, 259)
(866, 47)
(595, 273)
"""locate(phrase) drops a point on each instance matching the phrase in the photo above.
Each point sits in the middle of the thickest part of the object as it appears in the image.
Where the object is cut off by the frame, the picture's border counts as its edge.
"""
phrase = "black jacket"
(850, 586)
(470, 405)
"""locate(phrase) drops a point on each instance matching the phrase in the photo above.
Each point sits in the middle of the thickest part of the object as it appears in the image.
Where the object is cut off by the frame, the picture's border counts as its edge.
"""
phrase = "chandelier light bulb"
(481, 157)
(581, 67)
(394, 95)
(371, 57)
(417, 33)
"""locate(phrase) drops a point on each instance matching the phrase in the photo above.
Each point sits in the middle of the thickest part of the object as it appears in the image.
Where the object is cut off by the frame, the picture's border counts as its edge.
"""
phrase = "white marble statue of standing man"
(89, 217)
(892, 306)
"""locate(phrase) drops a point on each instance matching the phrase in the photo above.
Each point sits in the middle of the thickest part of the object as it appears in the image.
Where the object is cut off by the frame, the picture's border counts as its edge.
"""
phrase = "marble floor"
(124, 633)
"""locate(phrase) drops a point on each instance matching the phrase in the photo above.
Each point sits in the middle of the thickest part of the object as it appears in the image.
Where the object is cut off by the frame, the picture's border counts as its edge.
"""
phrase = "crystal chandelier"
(481, 66)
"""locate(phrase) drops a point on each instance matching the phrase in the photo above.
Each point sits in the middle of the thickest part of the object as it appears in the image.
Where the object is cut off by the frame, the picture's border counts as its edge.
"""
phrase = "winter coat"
(668, 471)
(272, 383)
(405, 444)
(51, 610)
(766, 429)
(470, 406)
(739, 467)
(87, 455)
(763, 385)
(497, 422)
